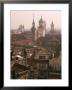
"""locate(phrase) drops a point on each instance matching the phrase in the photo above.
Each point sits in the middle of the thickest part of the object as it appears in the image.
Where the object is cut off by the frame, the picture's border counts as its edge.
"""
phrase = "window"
(41, 57)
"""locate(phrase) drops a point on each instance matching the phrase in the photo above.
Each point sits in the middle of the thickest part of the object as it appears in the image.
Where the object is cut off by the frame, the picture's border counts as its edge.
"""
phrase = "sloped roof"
(19, 67)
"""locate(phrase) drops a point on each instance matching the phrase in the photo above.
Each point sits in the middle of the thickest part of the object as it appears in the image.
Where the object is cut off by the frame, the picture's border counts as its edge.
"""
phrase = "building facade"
(40, 31)
(41, 61)
(41, 28)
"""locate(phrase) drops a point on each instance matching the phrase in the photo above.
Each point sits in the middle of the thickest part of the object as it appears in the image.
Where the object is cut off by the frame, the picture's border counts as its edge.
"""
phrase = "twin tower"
(41, 30)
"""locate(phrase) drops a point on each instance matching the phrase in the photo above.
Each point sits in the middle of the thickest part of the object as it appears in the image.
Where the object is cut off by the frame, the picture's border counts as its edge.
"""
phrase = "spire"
(52, 26)
(41, 17)
(52, 23)
(33, 16)
(33, 25)
(33, 20)
(41, 20)
(33, 29)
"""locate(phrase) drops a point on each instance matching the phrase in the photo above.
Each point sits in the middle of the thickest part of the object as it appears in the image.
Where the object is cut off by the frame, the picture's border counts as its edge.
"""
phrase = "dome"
(52, 24)
(41, 20)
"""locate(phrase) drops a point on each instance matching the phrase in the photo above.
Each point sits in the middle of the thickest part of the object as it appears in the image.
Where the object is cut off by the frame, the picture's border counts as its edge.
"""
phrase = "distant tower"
(41, 28)
(45, 26)
(52, 27)
(21, 28)
(41, 21)
(33, 29)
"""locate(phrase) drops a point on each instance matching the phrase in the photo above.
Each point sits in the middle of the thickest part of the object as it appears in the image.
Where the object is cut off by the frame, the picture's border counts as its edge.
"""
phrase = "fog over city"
(26, 17)
(35, 44)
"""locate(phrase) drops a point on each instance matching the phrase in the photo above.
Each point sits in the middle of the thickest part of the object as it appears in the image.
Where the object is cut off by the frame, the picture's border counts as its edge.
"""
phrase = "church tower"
(52, 27)
(33, 29)
(41, 28)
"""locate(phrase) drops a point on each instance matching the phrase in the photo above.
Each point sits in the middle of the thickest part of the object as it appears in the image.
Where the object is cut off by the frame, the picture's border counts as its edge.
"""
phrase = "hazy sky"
(26, 17)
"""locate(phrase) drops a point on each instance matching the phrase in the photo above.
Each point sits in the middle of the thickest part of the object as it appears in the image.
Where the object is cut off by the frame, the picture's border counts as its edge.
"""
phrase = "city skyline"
(26, 17)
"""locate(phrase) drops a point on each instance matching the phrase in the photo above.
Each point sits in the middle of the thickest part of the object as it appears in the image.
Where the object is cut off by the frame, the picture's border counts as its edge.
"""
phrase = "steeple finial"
(52, 26)
(33, 24)
(33, 16)
(41, 17)
(52, 22)
(33, 19)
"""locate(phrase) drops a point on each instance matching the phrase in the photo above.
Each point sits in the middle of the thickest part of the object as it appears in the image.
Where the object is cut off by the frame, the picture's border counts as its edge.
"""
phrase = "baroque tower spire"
(33, 28)
(52, 26)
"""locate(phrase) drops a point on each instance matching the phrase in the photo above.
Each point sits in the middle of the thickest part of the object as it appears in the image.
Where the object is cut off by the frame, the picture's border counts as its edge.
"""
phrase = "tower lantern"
(52, 26)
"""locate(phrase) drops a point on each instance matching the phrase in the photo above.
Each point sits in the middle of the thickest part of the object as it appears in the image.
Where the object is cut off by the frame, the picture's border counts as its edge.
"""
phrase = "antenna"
(33, 16)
